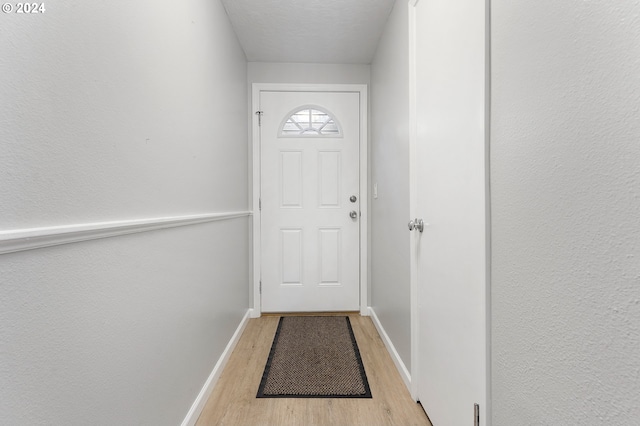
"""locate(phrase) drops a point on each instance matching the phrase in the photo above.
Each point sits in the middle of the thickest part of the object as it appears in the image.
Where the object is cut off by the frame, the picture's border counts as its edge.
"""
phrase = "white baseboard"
(203, 396)
(402, 369)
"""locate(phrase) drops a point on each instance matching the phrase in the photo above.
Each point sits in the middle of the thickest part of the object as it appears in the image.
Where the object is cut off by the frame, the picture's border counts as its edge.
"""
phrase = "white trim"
(256, 229)
(402, 369)
(35, 238)
(205, 392)
(487, 123)
(364, 201)
(256, 88)
(413, 190)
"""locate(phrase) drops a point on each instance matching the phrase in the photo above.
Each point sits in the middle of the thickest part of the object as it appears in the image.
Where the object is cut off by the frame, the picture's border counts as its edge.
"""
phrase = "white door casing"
(310, 246)
(449, 188)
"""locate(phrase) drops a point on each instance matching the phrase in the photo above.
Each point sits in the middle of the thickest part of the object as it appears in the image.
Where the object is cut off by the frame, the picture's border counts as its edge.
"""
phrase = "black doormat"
(314, 357)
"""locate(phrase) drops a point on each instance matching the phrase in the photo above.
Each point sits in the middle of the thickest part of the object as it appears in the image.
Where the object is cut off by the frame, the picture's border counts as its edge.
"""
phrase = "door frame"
(255, 181)
(413, 192)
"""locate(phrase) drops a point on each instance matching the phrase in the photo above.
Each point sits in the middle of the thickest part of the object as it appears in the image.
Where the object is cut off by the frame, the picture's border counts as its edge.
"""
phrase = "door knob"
(353, 214)
(353, 198)
(417, 224)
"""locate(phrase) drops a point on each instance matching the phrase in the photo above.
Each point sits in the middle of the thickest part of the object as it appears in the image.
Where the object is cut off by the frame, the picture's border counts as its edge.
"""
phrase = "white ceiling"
(316, 31)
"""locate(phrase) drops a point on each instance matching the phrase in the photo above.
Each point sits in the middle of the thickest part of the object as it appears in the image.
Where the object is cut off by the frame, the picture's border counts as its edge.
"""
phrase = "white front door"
(449, 190)
(310, 214)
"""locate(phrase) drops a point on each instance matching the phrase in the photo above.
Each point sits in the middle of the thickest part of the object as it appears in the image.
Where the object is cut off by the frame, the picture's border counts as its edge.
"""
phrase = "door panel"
(291, 256)
(291, 179)
(329, 261)
(450, 190)
(329, 178)
(310, 244)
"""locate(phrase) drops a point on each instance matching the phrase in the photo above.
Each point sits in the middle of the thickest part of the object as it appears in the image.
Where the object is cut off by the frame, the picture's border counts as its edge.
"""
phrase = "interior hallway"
(233, 400)
(125, 199)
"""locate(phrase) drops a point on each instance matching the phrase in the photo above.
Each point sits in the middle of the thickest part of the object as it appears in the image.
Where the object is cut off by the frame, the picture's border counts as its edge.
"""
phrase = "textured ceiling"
(317, 31)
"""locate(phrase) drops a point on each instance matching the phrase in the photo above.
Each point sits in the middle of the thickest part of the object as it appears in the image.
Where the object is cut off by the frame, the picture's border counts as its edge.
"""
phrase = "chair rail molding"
(16, 240)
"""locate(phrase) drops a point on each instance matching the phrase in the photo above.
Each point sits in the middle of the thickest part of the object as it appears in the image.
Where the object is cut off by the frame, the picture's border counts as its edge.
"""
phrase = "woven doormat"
(314, 357)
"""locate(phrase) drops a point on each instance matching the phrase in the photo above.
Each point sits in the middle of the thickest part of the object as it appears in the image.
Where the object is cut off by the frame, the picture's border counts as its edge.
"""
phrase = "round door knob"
(353, 214)
(353, 198)
(417, 224)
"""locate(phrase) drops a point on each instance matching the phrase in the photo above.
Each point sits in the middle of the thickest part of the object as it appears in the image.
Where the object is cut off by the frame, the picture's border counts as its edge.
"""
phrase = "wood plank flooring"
(233, 400)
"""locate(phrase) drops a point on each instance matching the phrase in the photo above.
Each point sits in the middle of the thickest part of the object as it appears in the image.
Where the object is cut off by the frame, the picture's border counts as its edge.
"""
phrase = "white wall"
(118, 111)
(276, 72)
(390, 285)
(565, 204)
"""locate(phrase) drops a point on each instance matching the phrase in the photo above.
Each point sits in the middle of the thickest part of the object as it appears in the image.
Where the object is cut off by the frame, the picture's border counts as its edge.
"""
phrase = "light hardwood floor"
(233, 400)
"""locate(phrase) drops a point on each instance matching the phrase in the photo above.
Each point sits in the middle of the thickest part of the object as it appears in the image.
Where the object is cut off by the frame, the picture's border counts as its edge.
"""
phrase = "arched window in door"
(310, 121)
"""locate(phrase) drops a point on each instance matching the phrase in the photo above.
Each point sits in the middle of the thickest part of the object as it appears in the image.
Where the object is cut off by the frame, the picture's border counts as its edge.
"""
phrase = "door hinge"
(476, 415)
(259, 114)
(260, 287)
(259, 203)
